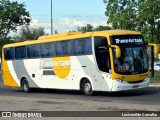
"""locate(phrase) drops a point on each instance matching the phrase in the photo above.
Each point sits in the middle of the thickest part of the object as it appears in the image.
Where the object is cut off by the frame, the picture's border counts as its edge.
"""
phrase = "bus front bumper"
(119, 85)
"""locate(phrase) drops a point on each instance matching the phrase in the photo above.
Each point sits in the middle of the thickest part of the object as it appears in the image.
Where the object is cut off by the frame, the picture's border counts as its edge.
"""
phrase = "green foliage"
(27, 33)
(156, 78)
(55, 32)
(149, 13)
(101, 28)
(12, 14)
(121, 13)
(89, 28)
(139, 15)
(3, 42)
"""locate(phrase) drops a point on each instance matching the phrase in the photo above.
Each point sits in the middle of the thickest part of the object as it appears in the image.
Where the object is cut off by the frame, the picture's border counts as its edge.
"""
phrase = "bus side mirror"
(156, 51)
(118, 50)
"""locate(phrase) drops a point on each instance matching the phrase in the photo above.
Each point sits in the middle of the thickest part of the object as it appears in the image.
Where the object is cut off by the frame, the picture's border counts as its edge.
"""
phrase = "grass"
(156, 78)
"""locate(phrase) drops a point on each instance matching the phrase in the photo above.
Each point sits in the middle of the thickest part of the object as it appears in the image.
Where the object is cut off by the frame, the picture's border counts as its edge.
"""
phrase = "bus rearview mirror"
(118, 50)
(156, 51)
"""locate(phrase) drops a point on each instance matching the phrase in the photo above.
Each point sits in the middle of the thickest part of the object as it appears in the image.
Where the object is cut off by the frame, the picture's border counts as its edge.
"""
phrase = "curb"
(155, 84)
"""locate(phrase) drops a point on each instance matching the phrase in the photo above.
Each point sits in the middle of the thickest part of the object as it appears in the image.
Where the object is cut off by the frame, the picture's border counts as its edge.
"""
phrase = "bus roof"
(71, 35)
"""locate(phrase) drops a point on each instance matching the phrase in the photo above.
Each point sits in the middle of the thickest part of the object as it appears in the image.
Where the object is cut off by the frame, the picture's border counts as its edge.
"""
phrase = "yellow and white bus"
(113, 60)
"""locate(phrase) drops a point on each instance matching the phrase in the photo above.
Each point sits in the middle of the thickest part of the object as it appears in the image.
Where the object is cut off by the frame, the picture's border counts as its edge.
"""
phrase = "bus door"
(102, 57)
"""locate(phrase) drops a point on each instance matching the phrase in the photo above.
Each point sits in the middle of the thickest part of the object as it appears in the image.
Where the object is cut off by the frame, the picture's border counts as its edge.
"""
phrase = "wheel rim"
(88, 88)
(25, 86)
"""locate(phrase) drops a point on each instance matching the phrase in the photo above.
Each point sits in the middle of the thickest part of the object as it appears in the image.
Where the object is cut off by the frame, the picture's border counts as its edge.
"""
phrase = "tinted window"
(102, 53)
(47, 50)
(33, 51)
(64, 48)
(69, 47)
(82, 46)
(9, 53)
(61, 48)
(20, 52)
(100, 43)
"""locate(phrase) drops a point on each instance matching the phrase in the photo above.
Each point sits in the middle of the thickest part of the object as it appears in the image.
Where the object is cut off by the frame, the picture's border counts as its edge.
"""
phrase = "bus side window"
(52, 50)
(33, 51)
(29, 52)
(61, 48)
(20, 52)
(9, 53)
(77, 47)
(88, 46)
(82, 46)
(36, 51)
(102, 53)
(47, 50)
(69, 47)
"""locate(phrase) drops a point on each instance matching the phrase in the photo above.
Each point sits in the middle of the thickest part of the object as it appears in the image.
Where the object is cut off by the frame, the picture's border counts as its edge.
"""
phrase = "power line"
(90, 9)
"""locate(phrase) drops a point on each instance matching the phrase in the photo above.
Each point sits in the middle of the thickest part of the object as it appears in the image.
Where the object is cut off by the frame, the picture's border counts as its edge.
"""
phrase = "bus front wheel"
(25, 86)
(87, 87)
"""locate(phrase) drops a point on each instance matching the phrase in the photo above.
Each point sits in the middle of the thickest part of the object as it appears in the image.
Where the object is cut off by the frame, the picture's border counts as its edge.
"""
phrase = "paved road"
(14, 99)
(147, 96)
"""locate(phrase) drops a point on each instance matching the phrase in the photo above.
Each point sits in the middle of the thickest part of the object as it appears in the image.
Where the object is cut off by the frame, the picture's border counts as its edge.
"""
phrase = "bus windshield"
(134, 59)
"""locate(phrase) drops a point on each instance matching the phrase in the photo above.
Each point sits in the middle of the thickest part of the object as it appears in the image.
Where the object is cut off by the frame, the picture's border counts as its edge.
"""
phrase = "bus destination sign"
(127, 40)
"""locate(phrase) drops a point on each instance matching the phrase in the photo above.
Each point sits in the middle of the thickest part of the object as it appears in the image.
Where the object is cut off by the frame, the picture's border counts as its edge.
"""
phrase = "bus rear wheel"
(87, 87)
(25, 86)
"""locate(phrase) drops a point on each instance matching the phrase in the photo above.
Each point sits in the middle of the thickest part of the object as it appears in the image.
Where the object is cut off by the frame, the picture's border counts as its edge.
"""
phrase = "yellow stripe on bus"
(8, 79)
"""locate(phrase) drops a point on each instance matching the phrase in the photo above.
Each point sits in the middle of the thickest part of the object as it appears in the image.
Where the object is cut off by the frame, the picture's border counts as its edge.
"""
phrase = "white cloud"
(66, 24)
(34, 22)
(67, 21)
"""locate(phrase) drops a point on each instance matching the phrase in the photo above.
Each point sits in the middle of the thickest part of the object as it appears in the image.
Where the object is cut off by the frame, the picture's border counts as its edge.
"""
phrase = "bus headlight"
(121, 81)
(147, 79)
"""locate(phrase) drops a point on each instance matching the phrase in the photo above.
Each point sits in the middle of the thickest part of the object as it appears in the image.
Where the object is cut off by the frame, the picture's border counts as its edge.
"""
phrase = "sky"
(67, 14)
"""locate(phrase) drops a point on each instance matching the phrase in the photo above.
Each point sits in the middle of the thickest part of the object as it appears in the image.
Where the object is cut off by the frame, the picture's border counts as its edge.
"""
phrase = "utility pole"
(152, 61)
(51, 19)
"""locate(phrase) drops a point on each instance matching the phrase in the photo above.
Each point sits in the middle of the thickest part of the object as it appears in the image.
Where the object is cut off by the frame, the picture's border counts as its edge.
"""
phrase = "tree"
(3, 42)
(140, 15)
(27, 33)
(12, 14)
(90, 28)
(86, 28)
(101, 28)
(149, 15)
(121, 13)
(55, 32)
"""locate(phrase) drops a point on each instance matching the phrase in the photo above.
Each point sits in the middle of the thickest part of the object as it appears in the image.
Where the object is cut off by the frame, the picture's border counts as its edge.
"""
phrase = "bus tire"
(87, 87)
(25, 86)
